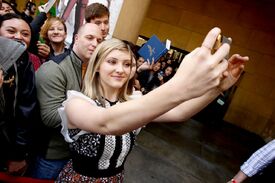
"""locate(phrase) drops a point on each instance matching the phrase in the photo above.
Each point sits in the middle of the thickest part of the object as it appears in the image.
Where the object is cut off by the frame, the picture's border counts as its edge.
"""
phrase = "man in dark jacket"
(29, 11)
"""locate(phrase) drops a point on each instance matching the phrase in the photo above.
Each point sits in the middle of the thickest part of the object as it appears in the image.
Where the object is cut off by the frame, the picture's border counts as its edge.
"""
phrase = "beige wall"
(251, 24)
(130, 19)
(21, 4)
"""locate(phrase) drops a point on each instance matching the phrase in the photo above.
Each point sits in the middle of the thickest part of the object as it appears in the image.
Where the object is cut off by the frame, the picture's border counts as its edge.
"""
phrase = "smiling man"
(98, 14)
(53, 80)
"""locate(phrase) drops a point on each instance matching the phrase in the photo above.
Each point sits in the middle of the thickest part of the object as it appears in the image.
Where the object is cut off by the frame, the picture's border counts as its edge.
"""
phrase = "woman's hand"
(43, 50)
(200, 70)
(234, 70)
(147, 65)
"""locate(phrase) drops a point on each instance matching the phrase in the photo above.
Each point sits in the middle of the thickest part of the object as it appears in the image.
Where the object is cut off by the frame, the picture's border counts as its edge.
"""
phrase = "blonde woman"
(102, 122)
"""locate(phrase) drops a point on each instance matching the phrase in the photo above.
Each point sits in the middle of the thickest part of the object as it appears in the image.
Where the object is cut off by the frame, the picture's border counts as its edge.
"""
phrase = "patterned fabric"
(89, 144)
(96, 157)
(259, 160)
(68, 175)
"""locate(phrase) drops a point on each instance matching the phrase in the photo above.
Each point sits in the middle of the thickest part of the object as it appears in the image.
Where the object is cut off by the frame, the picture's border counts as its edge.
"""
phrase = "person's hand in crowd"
(1, 78)
(43, 50)
(234, 70)
(160, 77)
(41, 8)
(147, 65)
(17, 167)
(45, 8)
(200, 70)
(239, 177)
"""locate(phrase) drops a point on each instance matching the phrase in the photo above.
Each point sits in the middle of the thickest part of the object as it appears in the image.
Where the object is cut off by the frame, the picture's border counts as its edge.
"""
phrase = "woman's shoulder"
(76, 94)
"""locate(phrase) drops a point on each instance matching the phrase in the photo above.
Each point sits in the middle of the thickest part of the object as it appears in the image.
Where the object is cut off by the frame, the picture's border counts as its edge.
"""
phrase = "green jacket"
(53, 81)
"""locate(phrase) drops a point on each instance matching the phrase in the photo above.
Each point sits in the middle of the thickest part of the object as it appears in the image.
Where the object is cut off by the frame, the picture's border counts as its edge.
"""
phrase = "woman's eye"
(111, 61)
(11, 31)
(26, 34)
(127, 64)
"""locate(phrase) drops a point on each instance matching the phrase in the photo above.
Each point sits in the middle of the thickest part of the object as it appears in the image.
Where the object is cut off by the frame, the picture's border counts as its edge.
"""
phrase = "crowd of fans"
(35, 86)
(36, 89)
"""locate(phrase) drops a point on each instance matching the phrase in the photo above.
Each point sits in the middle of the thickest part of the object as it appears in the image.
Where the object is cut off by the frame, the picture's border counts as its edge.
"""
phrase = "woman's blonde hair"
(45, 28)
(91, 84)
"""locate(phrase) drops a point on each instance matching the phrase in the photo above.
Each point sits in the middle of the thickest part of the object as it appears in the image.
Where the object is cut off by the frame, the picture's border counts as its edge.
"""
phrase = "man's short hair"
(96, 10)
(29, 5)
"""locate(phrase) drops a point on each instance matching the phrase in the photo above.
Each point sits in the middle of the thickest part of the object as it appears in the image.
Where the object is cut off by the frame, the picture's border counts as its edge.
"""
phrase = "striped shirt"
(259, 160)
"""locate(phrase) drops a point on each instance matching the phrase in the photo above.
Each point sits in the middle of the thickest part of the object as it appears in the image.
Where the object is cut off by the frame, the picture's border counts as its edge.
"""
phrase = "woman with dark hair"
(20, 100)
(166, 75)
(24, 38)
(42, 50)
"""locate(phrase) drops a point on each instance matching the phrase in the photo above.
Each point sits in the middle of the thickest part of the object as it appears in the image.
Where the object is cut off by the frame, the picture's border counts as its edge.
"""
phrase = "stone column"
(130, 19)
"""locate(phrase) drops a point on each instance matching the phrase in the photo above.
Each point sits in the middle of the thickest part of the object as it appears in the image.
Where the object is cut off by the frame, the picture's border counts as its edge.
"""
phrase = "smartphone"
(160, 74)
(221, 39)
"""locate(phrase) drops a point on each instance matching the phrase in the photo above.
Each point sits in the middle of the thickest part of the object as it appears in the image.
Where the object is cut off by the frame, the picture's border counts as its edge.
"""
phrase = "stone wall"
(251, 24)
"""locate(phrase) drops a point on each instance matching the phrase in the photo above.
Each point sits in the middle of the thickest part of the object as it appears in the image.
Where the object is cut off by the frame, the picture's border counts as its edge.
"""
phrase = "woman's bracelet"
(233, 181)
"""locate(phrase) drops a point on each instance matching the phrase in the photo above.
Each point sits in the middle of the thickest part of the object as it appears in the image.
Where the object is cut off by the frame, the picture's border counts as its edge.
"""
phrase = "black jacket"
(19, 111)
(36, 25)
(148, 81)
